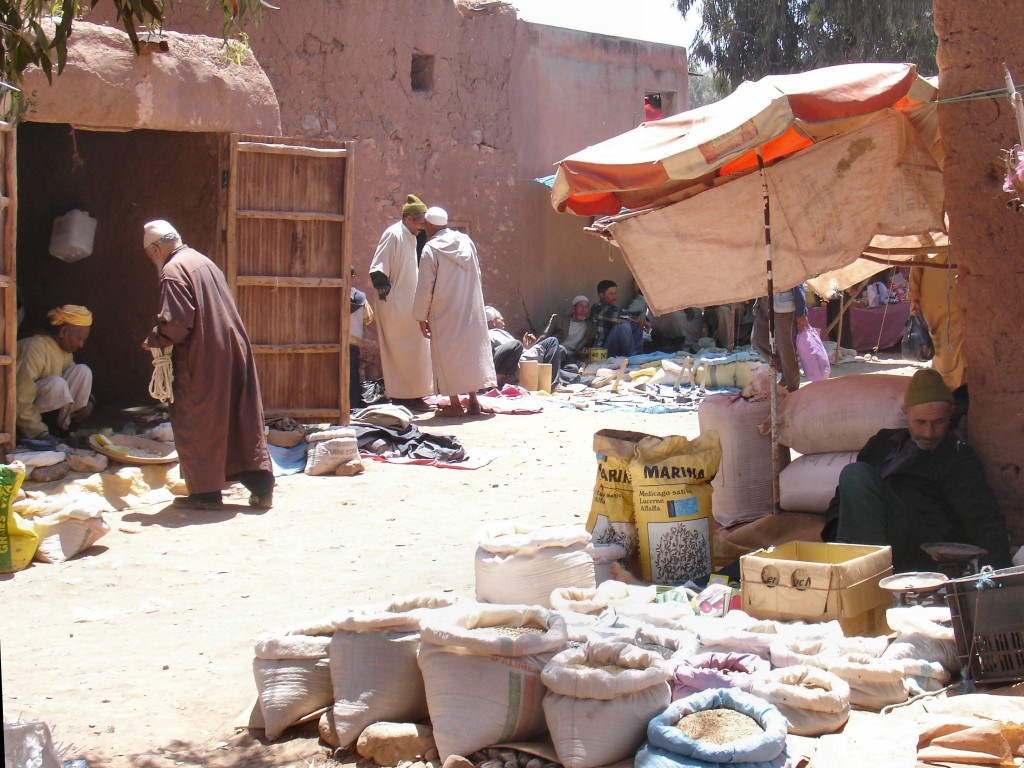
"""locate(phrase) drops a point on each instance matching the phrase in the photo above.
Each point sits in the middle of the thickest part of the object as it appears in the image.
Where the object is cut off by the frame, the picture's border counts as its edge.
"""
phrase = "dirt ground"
(139, 652)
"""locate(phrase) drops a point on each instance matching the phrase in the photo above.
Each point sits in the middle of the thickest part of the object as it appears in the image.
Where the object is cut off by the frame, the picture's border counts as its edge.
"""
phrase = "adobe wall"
(509, 100)
(987, 237)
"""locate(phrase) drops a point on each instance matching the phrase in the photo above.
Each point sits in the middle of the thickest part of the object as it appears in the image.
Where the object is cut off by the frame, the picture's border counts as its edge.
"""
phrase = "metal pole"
(773, 358)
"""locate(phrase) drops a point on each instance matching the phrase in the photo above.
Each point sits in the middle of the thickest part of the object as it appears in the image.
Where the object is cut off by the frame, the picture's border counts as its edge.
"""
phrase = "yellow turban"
(70, 314)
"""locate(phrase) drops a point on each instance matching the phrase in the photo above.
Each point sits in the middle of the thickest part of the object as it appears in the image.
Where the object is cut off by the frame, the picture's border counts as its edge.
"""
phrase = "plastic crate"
(988, 624)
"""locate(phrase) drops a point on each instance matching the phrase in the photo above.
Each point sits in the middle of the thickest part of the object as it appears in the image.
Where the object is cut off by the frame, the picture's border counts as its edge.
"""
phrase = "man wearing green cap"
(917, 485)
(394, 271)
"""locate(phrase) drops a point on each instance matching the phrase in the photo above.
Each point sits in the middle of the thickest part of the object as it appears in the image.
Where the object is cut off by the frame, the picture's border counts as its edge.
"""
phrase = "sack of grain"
(814, 701)
(330, 449)
(671, 479)
(809, 483)
(65, 534)
(373, 664)
(599, 700)
(521, 564)
(481, 670)
(707, 727)
(743, 486)
(293, 678)
(841, 414)
(611, 518)
(716, 670)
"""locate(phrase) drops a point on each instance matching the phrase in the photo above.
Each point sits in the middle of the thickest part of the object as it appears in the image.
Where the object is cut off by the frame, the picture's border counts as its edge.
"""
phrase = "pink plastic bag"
(812, 354)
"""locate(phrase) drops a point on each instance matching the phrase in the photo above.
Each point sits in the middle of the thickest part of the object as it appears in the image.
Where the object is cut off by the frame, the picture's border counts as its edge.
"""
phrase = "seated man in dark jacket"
(917, 485)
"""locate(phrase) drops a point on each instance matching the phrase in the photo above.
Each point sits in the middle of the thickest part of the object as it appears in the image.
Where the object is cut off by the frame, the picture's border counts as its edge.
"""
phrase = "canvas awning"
(851, 152)
(184, 83)
(826, 205)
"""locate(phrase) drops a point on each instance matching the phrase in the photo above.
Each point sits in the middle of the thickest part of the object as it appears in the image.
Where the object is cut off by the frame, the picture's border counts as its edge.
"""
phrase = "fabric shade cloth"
(826, 205)
(779, 115)
(853, 164)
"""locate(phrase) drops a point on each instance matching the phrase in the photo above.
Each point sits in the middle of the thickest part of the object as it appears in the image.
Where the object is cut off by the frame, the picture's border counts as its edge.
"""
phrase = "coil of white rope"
(163, 375)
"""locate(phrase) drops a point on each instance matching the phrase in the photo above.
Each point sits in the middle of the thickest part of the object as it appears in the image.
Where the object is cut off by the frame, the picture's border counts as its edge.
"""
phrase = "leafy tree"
(36, 32)
(706, 88)
(748, 39)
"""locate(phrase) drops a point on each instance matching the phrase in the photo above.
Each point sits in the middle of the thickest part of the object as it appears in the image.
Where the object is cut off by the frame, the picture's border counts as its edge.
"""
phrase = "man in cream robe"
(404, 353)
(449, 306)
(47, 379)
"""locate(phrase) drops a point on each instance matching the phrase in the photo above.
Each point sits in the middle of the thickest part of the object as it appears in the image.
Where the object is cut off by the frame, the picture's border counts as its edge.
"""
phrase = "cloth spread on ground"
(410, 443)
(510, 400)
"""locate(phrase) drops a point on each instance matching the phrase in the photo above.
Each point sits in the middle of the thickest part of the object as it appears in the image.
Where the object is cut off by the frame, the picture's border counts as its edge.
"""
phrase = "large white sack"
(841, 414)
(483, 684)
(598, 715)
(743, 485)
(63, 535)
(373, 665)
(521, 564)
(293, 678)
(809, 482)
(814, 701)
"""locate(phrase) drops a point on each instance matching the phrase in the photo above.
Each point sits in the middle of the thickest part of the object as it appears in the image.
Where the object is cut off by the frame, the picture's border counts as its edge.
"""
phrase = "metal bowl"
(914, 581)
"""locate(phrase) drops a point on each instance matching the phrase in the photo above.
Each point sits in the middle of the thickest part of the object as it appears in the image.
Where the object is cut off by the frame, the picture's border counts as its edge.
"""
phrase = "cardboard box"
(816, 581)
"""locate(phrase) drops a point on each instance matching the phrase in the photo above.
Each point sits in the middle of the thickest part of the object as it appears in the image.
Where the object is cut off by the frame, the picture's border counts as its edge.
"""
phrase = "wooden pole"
(773, 358)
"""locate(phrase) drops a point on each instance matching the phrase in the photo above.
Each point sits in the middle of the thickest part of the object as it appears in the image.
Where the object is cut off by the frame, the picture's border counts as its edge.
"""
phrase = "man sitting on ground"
(618, 331)
(575, 334)
(917, 485)
(508, 352)
(49, 383)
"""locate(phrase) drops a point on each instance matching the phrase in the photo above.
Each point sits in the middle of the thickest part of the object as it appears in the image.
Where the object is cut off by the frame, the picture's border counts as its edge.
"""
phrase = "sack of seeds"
(717, 670)
(599, 700)
(373, 664)
(521, 564)
(293, 678)
(814, 701)
(714, 727)
(481, 671)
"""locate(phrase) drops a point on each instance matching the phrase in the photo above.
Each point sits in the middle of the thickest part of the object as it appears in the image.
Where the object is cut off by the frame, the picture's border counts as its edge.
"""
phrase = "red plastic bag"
(812, 354)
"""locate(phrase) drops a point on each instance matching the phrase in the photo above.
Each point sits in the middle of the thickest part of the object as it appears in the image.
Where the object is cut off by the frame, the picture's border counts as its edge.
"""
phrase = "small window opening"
(422, 72)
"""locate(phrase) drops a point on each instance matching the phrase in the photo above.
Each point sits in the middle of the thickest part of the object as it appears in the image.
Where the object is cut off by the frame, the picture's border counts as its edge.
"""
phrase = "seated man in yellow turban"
(47, 378)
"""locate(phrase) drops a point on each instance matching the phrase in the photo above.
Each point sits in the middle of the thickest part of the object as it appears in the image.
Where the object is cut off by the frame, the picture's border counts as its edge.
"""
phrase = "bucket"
(597, 355)
(72, 236)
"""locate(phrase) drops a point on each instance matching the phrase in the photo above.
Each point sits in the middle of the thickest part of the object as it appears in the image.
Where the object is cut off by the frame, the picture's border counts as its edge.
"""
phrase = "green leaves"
(748, 39)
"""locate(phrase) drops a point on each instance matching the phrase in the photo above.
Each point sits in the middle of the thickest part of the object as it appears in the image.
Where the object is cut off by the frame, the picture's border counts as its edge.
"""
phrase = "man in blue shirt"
(618, 331)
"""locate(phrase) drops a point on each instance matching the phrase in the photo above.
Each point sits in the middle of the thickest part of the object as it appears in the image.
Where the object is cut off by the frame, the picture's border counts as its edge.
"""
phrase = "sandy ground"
(139, 652)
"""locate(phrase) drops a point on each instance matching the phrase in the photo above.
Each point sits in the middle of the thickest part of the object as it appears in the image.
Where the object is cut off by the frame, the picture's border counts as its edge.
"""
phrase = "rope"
(163, 375)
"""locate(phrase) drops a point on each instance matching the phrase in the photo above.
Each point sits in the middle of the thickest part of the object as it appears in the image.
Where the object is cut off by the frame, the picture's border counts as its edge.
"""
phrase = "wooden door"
(287, 259)
(8, 286)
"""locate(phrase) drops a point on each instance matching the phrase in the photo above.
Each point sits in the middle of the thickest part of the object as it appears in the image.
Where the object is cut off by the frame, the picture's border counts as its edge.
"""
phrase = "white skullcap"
(155, 230)
(491, 314)
(580, 298)
(437, 216)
